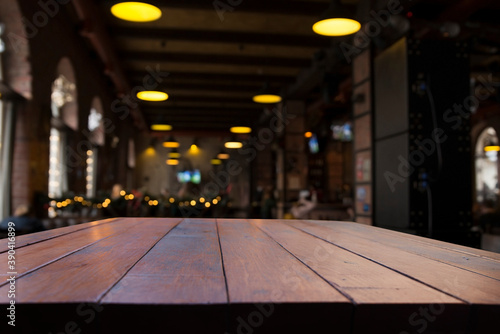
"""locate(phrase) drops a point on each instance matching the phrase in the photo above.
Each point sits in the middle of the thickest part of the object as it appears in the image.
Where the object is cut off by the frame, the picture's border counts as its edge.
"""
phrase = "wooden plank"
(363, 280)
(383, 298)
(89, 273)
(181, 275)
(259, 271)
(467, 251)
(42, 253)
(460, 283)
(185, 267)
(469, 261)
(28, 239)
(270, 291)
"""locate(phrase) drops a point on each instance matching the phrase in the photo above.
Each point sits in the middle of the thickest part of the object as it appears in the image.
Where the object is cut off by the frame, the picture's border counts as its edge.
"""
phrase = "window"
(62, 93)
(487, 167)
(96, 130)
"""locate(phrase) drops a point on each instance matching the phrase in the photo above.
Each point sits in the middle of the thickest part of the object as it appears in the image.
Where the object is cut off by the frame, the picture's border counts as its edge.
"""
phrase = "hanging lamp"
(336, 21)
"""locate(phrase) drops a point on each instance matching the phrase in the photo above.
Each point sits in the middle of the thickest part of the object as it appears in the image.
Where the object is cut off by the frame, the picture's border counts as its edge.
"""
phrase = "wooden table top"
(173, 275)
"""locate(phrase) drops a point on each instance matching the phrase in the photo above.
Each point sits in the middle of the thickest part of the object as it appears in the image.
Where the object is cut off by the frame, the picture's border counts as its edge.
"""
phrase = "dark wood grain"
(49, 250)
(87, 274)
(258, 270)
(361, 279)
(463, 284)
(28, 239)
(185, 267)
(381, 295)
(234, 276)
(270, 291)
(465, 259)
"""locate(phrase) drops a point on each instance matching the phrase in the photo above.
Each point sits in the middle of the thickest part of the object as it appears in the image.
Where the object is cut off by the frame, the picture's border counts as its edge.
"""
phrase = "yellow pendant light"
(233, 144)
(336, 27)
(240, 129)
(174, 154)
(194, 149)
(171, 143)
(492, 148)
(151, 95)
(267, 98)
(336, 21)
(161, 127)
(216, 162)
(136, 11)
(172, 162)
(223, 155)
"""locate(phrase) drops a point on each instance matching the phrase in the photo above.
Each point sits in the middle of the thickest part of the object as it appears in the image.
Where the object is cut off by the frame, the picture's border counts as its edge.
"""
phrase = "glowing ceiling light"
(267, 98)
(233, 144)
(136, 11)
(194, 149)
(151, 95)
(492, 148)
(308, 134)
(240, 129)
(216, 162)
(161, 127)
(171, 143)
(174, 155)
(172, 162)
(223, 156)
(336, 27)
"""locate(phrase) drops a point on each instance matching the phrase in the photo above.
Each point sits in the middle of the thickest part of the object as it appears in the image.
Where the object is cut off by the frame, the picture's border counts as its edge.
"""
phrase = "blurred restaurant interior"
(240, 109)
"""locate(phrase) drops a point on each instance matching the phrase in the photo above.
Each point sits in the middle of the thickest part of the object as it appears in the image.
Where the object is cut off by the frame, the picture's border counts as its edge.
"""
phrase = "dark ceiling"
(218, 60)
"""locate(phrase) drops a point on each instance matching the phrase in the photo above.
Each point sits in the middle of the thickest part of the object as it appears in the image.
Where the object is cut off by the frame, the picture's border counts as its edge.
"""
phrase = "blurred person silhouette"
(118, 205)
(303, 206)
(24, 221)
(268, 203)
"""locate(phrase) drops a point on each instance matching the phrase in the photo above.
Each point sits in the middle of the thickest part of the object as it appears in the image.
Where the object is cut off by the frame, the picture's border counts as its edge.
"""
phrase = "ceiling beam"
(200, 117)
(211, 77)
(306, 8)
(313, 41)
(223, 59)
(94, 29)
(206, 99)
(202, 110)
(240, 87)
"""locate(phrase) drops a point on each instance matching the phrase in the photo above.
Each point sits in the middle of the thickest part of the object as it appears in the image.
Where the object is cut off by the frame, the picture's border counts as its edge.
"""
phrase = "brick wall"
(31, 63)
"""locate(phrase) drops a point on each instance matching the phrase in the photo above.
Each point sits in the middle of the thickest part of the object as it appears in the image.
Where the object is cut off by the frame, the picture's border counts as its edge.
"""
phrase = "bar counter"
(174, 275)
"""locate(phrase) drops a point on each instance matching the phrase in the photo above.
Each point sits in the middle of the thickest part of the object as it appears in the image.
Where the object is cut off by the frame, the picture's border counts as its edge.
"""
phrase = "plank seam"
(386, 266)
(423, 255)
(222, 261)
(58, 258)
(305, 264)
(61, 235)
(101, 297)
